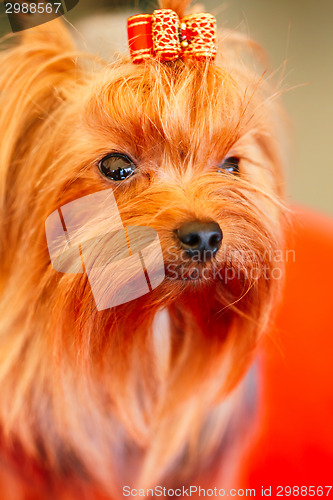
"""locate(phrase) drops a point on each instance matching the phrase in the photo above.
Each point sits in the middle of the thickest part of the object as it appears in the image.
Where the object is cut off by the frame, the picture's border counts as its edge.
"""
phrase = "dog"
(156, 390)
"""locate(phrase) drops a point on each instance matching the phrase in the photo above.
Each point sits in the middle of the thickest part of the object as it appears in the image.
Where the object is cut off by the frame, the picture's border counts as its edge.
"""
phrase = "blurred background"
(296, 34)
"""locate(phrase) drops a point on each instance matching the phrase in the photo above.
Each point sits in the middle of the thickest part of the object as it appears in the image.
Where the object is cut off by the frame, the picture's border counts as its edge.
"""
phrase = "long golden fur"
(90, 401)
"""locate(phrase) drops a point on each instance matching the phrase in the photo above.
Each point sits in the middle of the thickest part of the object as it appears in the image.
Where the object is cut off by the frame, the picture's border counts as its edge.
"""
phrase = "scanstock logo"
(24, 14)
(87, 237)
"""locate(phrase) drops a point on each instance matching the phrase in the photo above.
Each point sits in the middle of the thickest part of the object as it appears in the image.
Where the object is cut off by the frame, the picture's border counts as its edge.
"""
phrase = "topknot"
(179, 6)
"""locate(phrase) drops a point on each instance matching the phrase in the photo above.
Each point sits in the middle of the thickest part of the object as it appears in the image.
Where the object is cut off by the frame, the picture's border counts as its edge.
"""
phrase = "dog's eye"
(231, 165)
(117, 166)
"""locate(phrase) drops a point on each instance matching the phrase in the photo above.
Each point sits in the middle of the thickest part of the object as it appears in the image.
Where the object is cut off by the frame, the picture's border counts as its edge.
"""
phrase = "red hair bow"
(165, 36)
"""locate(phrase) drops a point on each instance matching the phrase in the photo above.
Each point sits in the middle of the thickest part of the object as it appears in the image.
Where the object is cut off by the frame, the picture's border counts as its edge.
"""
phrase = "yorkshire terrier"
(104, 384)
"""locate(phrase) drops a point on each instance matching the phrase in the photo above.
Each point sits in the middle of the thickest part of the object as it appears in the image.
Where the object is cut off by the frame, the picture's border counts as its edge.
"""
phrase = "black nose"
(200, 240)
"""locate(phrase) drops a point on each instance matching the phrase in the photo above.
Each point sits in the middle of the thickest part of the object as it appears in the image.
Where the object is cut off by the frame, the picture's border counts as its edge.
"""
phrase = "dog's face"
(188, 149)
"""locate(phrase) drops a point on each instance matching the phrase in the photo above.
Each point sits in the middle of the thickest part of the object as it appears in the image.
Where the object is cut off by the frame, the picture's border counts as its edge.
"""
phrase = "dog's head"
(188, 149)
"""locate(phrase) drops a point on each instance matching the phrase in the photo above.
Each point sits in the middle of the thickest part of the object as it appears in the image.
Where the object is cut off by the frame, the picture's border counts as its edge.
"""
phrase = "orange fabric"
(294, 443)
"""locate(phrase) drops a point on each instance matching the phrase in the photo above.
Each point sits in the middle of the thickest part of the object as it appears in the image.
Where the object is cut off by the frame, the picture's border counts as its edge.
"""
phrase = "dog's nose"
(200, 239)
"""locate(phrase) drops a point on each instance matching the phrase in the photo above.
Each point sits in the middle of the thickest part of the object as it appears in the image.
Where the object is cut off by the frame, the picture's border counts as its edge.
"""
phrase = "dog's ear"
(52, 33)
(39, 62)
(38, 73)
(34, 76)
(34, 71)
